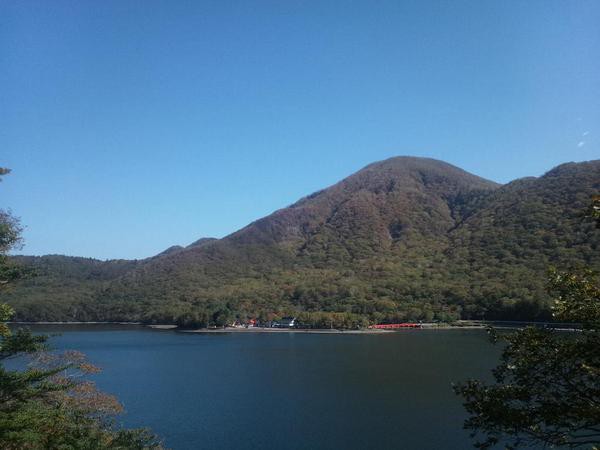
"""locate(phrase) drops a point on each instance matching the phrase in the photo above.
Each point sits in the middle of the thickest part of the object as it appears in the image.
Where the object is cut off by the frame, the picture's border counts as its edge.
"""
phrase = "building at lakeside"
(286, 322)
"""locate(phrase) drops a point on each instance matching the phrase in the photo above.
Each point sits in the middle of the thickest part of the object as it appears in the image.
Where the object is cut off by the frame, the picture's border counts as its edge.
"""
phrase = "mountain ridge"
(401, 238)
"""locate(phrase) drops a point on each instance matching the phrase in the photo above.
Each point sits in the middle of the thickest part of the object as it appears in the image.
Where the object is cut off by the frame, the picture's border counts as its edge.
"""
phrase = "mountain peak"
(573, 168)
(424, 168)
(405, 238)
(397, 193)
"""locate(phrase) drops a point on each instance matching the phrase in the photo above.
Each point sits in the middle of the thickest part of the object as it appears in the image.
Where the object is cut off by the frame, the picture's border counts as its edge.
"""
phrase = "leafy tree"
(547, 386)
(10, 237)
(50, 405)
(65, 410)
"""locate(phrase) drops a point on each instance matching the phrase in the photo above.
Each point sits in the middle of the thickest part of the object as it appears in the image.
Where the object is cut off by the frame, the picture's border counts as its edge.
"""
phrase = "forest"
(404, 239)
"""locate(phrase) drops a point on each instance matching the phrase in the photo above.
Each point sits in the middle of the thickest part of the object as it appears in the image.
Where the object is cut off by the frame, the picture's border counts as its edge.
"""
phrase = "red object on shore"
(392, 326)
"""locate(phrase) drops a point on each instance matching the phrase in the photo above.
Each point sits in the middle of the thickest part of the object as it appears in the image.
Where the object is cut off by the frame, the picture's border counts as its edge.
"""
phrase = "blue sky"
(131, 126)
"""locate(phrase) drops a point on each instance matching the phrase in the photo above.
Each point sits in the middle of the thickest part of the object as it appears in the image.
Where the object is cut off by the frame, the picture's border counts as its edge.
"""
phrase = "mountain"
(405, 238)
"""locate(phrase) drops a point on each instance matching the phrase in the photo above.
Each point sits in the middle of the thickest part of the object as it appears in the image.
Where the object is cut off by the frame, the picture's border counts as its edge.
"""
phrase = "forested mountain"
(402, 239)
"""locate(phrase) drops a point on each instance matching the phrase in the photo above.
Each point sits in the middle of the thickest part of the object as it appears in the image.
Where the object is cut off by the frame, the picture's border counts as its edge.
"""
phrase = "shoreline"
(175, 328)
(172, 327)
(285, 330)
(320, 330)
(73, 323)
(250, 330)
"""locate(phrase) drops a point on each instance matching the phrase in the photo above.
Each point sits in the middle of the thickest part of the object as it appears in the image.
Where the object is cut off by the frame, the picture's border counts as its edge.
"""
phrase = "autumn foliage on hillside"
(402, 239)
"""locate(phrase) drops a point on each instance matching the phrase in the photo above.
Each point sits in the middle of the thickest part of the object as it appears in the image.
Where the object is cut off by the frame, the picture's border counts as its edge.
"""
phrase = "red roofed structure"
(393, 326)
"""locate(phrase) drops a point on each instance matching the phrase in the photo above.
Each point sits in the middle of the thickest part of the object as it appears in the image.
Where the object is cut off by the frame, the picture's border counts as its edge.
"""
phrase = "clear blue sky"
(131, 126)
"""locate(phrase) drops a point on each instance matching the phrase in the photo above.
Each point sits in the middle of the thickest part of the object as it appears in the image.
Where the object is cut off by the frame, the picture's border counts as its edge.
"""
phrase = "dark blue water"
(272, 391)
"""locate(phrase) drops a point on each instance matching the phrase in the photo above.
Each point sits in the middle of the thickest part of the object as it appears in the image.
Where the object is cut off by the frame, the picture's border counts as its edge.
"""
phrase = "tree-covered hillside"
(402, 239)
(524, 228)
(56, 285)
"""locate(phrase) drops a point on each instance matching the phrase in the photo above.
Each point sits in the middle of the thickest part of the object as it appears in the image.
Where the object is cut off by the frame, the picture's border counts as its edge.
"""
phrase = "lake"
(286, 390)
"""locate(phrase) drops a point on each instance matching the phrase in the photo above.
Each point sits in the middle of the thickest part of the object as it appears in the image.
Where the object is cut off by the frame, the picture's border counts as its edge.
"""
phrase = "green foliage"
(547, 392)
(50, 406)
(547, 386)
(44, 425)
(577, 298)
(403, 239)
(6, 312)
(594, 210)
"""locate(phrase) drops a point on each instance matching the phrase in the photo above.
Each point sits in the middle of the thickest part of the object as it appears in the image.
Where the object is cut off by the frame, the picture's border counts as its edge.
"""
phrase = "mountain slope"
(524, 228)
(405, 238)
(378, 211)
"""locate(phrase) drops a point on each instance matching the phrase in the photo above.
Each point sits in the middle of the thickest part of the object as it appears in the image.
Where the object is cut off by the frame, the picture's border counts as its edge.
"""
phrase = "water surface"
(272, 391)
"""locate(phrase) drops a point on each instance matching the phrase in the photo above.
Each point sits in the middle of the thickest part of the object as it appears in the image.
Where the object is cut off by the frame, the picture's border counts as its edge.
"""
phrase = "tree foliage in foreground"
(547, 386)
(50, 404)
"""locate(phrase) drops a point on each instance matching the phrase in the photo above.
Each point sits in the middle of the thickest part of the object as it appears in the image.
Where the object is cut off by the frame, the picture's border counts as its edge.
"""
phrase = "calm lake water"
(273, 391)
